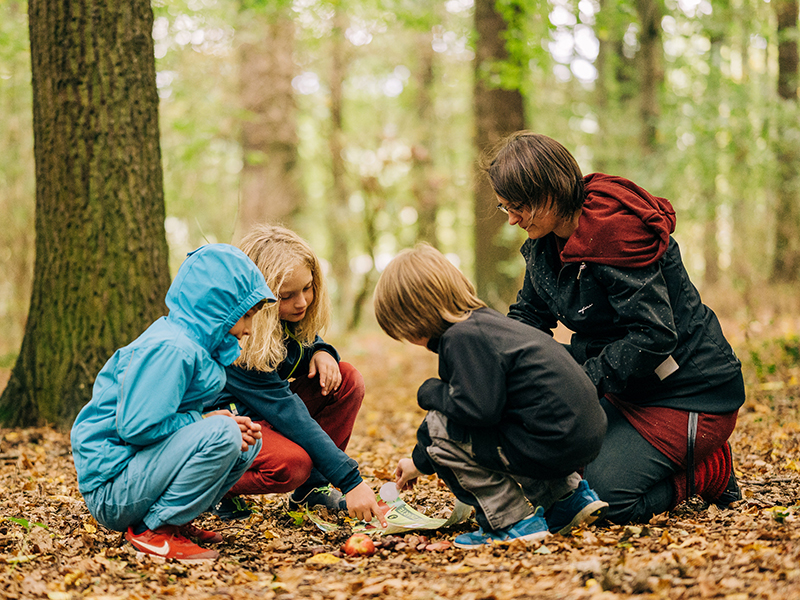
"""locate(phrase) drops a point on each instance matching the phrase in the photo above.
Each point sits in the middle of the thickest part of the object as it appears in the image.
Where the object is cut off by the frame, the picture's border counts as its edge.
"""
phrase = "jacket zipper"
(300, 359)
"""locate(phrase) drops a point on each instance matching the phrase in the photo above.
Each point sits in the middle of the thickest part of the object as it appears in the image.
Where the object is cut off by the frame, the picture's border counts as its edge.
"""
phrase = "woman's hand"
(324, 365)
(407, 474)
(362, 504)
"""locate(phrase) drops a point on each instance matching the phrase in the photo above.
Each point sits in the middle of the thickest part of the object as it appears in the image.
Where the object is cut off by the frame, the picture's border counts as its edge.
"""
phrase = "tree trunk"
(709, 164)
(602, 92)
(425, 184)
(650, 74)
(100, 272)
(498, 112)
(270, 187)
(339, 209)
(786, 266)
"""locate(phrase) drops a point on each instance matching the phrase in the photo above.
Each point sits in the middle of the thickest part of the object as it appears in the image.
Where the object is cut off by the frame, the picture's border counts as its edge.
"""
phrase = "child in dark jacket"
(511, 416)
(147, 462)
(291, 382)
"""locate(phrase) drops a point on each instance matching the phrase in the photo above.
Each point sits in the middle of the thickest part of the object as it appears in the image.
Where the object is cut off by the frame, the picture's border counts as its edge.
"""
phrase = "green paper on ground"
(401, 517)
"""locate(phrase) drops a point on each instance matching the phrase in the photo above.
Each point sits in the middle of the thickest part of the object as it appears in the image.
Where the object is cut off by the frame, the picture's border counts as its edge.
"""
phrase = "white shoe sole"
(531, 537)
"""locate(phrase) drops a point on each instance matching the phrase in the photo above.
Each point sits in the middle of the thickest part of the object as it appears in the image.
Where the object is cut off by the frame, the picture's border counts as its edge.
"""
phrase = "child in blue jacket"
(148, 463)
(511, 417)
(291, 383)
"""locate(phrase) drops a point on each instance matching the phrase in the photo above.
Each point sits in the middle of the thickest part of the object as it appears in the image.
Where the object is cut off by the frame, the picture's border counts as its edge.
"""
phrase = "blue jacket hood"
(215, 286)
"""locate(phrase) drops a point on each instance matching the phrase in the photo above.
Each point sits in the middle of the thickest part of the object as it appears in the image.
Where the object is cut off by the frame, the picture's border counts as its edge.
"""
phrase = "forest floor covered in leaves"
(50, 547)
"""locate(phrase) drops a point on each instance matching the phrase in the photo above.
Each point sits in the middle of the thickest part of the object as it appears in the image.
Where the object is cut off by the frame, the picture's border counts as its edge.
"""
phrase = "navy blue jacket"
(266, 396)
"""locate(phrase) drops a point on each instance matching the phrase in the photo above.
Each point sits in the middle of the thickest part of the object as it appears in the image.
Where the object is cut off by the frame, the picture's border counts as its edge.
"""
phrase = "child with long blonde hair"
(291, 382)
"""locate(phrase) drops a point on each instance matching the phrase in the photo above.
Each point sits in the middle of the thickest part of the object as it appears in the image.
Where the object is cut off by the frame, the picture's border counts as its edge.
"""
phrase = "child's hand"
(330, 377)
(250, 431)
(362, 504)
(406, 473)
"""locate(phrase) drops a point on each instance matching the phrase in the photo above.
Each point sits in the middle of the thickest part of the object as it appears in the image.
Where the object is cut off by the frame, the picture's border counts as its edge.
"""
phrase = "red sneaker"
(201, 535)
(167, 541)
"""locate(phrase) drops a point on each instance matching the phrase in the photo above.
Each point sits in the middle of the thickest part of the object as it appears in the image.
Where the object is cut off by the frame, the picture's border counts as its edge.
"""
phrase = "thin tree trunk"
(425, 185)
(339, 210)
(786, 266)
(17, 199)
(498, 112)
(709, 164)
(101, 271)
(650, 73)
(602, 93)
(270, 188)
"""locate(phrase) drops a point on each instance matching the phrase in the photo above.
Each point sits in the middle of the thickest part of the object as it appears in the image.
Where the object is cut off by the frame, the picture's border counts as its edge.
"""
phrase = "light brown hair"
(277, 251)
(530, 170)
(420, 293)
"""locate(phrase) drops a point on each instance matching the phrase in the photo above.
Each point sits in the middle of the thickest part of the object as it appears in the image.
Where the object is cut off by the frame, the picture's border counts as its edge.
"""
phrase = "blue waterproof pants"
(173, 481)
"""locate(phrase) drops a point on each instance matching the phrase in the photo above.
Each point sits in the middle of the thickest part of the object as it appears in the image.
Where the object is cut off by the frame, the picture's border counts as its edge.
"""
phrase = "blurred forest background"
(359, 122)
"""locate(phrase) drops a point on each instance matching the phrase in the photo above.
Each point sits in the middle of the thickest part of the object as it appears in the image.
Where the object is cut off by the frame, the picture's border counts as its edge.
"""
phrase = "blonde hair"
(420, 293)
(277, 251)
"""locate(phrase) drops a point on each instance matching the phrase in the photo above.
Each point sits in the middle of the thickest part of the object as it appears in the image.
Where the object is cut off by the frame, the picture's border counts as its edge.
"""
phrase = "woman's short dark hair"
(533, 171)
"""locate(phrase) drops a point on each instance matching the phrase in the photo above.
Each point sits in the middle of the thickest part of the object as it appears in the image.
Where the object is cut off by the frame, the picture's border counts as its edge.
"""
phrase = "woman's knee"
(627, 505)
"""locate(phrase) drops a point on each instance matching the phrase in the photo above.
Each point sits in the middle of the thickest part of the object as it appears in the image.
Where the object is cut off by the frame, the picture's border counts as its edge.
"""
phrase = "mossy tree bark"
(101, 270)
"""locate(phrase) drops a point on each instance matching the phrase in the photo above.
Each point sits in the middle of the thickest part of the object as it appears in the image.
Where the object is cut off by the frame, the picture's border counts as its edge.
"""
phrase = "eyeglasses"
(507, 210)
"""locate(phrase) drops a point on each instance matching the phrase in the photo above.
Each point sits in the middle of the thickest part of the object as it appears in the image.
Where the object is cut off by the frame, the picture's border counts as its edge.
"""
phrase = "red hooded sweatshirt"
(621, 224)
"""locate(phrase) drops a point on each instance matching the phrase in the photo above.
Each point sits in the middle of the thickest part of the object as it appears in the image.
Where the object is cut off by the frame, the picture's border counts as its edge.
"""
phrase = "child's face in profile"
(296, 294)
(244, 325)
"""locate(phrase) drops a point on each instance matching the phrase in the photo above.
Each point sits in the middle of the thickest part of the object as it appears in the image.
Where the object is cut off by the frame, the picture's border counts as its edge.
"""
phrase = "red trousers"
(283, 466)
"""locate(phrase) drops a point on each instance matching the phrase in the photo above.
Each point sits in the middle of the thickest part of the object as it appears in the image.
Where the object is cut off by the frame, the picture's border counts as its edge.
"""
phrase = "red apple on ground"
(359, 544)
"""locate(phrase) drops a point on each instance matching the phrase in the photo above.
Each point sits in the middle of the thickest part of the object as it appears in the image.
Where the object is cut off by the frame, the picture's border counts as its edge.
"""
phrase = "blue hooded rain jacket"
(157, 384)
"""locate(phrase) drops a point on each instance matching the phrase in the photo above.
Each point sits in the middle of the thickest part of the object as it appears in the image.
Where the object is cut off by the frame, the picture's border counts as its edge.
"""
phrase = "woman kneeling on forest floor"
(600, 259)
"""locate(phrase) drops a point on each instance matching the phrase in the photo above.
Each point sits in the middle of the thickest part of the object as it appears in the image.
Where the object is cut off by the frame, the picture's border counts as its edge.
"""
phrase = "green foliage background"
(718, 125)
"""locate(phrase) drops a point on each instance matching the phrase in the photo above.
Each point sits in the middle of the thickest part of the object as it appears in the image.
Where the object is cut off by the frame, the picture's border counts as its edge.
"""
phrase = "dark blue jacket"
(266, 396)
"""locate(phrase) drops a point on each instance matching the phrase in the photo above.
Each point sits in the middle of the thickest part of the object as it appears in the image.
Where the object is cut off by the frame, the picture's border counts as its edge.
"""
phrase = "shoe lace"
(239, 503)
(174, 531)
(325, 490)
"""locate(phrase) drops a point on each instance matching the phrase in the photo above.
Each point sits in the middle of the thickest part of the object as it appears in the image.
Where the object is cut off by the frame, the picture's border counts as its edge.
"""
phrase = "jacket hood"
(215, 286)
(621, 224)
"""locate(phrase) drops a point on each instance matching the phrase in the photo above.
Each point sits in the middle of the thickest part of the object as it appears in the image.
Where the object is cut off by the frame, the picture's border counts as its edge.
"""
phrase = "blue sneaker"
(582, 506)
(529, 529)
